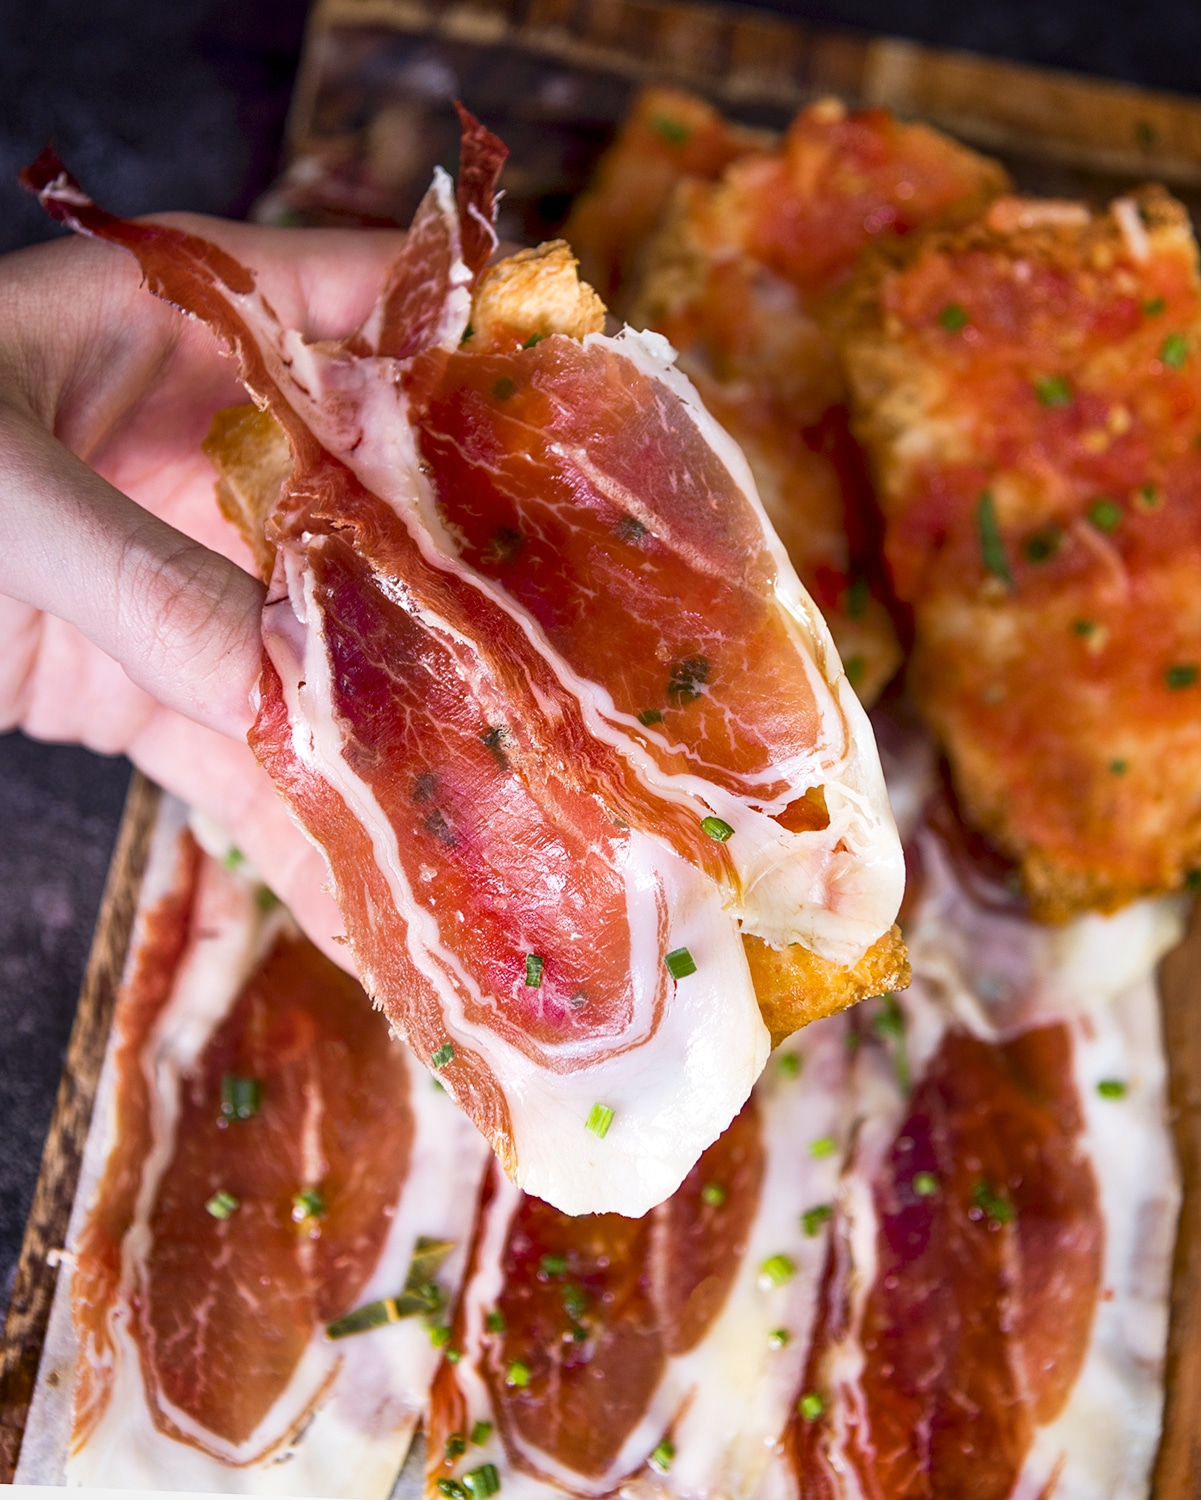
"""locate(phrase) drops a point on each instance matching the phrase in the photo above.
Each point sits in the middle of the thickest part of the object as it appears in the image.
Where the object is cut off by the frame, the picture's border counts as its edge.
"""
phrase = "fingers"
(182, 621)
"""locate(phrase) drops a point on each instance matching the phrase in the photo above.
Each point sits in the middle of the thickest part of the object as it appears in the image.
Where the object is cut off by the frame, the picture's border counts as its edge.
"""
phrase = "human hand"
(129, 621)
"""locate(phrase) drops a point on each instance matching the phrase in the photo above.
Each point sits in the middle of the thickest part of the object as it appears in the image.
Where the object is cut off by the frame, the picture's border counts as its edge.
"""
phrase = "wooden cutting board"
(371, 117)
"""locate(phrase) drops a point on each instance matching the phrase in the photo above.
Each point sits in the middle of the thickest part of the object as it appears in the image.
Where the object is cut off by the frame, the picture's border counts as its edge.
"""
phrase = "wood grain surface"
(29, 1310)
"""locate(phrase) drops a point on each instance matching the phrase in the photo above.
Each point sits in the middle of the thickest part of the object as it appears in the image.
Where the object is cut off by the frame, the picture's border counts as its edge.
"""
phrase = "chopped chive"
(233, 858)
(1041, 546)
(1174, 350)
(1053, 390)
(813, 1218)
(265, 899)
(600, 1117)
(534, 338)
(953, 317)
(1084, 628)
(468, 332)
(992, 548)
(504, 388)
(890, 1019)
(517, 1375)
(994, 1206)
(372, 1315)
(856, 669)
(1118, 766)
(534, 964)
(451, 1488)
(661, 1458)
(778, 1338)
(579, 1334)
(439, 1335)
(222, 1204)
(575, 1303)
(925, 1184)
(1111, 1088)
(674, 132)
(687, 678)
(1181, 674)
(650, 716)
(811, 1406)
(438, 1086)
(824, 1146)
(1105, 514)
(1154, 307)
(452, 1356)
(480, 1433)
(858, 595)
(444, 1054)
(789, 1064)
(717, 829)
(456, 1446)
(553, 1265)
(1149, 497)
(307, 1204)
(482, 1482)
(680, 963)
(240, 1097)
(713, 1194)
(775, 1271)
(1192, 880)
(495, 1321)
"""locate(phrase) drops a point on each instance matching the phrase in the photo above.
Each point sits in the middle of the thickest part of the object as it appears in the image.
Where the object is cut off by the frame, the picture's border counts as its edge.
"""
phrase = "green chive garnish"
(468, 332)
(811, 1406)
(650, 716)
(674, 132)
(452, 1489)
(504, 388)
(444, 1054)
(856, 669)
(1192, 880)
(1111, 1088)
(1174, 350)
(680, 963)
(1118, 767)
(953, 317)
(480, 1433)
(1053, 390)
(265, 899)
(222, 1204)
(1155, 307)
(716, 828)
(575, 1303)
(925, 1184)
(482, 1482)
(534, 964)
(1181, 674)
(233, 858)
(824, 1146)
(534, 338)
(776, 1270)
(1083, 628)
(813, 1218)
(1105, 514)
(439, 1335)
(1042, 545)
(661, 1458)
(600, 1117)
(495, 1321)
(858, 595)
(372, 1315)
(994, 1206)
(240, 1097)
(713, 1194)
(307, 1204)
(992, 548)
(778, 1338)
(1149, 497)
(517, 1375)
(553, 1265)
(789, 1064)
(456, 1446)
(452, 1356)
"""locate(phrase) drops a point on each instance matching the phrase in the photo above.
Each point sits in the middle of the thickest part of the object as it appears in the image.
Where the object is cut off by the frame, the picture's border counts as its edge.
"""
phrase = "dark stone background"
(161, 104)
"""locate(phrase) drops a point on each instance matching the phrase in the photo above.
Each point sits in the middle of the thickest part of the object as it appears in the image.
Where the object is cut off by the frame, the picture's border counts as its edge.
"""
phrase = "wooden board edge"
(54, 1194)
(1177, 1474)
(740, 56)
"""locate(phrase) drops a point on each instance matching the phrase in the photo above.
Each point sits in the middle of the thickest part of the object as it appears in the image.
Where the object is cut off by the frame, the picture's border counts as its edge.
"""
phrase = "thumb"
(181, 620)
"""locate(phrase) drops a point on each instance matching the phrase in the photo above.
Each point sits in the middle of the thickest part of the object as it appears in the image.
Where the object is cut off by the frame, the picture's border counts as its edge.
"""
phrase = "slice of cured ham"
(543, 882)
(931, 1256)
(271, 1163)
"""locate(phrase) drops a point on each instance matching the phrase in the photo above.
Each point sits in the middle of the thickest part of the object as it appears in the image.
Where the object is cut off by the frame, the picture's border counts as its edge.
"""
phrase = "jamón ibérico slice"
(270, 1168)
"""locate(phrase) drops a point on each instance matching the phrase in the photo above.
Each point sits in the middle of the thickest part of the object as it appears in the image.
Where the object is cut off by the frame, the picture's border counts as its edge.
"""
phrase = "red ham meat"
(545, 891)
